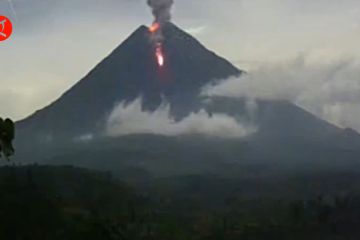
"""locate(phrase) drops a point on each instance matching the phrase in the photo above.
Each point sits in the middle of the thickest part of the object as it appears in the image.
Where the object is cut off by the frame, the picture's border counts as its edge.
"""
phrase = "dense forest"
(47, 202)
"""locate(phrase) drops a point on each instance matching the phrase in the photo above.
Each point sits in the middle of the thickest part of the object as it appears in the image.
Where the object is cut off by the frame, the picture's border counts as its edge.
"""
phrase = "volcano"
(285, 131)
(129, 72)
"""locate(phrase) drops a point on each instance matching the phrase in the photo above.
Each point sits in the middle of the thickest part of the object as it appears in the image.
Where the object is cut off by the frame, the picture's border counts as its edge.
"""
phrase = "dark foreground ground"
(43, 202)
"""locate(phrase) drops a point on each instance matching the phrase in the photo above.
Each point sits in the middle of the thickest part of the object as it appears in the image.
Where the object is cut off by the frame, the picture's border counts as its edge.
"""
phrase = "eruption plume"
(161, 9)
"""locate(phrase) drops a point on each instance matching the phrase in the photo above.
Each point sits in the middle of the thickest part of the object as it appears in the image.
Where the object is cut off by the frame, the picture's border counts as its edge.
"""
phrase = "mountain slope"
(129, 72)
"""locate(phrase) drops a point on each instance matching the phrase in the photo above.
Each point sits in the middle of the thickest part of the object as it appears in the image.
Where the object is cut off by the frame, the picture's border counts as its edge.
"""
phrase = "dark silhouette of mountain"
(129, 72)
(285, 131)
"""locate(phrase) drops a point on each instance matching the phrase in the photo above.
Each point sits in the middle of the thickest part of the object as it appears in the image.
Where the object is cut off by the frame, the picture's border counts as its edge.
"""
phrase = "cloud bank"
(130, 119)
(330, 90)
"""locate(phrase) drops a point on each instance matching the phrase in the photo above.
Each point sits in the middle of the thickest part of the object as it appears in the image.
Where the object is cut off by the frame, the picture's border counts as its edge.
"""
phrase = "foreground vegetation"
(43, 202)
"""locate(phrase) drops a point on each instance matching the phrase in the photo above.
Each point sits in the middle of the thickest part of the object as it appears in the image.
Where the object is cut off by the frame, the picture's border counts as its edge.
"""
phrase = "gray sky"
(56, 42)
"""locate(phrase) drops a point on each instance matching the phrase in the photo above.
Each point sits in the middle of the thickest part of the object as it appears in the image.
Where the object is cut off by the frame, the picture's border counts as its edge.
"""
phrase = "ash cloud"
(330, 90)
(161, 9)
(130, 119)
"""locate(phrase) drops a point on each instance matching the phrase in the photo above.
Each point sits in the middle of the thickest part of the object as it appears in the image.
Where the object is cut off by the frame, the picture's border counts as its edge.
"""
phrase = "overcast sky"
(56, 42)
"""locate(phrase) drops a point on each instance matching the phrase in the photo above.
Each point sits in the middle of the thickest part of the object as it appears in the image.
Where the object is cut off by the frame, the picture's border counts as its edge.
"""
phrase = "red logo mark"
(5, 28)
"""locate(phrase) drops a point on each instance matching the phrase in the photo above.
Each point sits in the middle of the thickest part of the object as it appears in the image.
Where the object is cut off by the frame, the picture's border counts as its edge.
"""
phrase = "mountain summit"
(130, 72)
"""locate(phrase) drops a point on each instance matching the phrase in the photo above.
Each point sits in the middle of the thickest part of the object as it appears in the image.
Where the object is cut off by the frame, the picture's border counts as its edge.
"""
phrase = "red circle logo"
(5, 28)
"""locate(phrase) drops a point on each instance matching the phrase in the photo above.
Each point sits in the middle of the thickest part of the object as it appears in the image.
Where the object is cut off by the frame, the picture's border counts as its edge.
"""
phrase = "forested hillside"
(42, 202)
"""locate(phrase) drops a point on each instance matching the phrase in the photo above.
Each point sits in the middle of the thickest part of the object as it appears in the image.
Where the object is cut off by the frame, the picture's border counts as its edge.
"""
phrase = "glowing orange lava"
(159, 55)
(154, 27)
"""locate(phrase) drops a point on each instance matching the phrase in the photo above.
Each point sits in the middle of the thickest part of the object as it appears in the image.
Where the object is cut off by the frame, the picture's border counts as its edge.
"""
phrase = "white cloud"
(196, 30)
(330, 90)
(130, 119)
(84, 138)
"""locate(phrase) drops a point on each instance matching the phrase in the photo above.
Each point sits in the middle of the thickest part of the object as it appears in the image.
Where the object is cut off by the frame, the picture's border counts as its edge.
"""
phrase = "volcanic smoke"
(161, 10)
